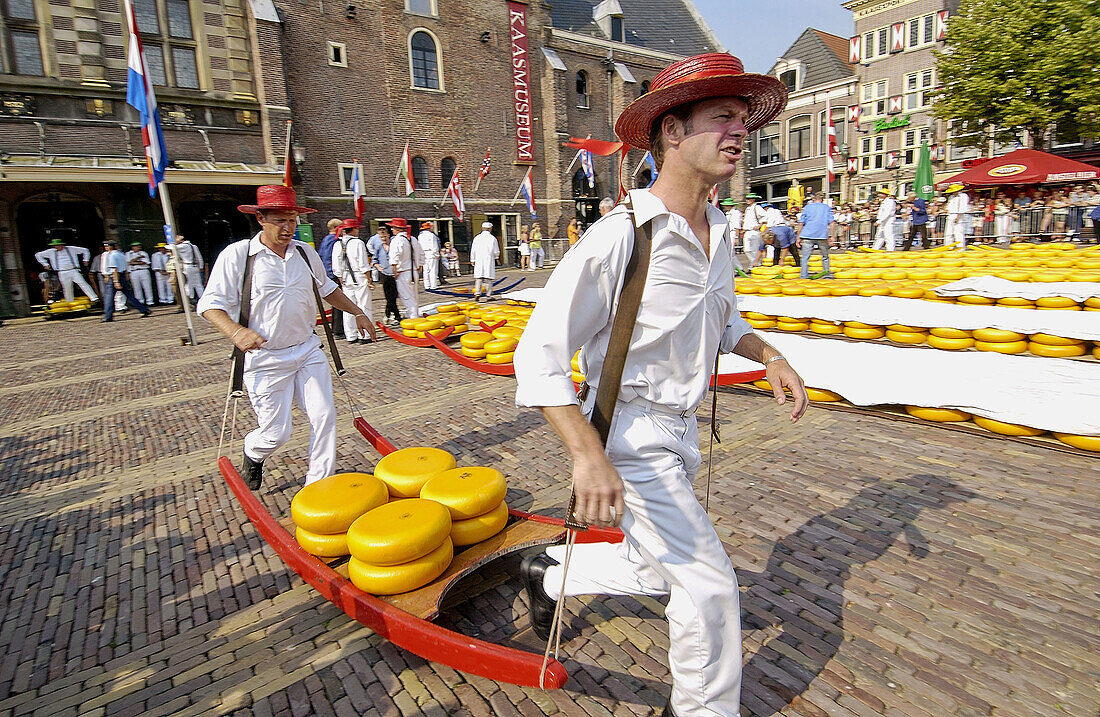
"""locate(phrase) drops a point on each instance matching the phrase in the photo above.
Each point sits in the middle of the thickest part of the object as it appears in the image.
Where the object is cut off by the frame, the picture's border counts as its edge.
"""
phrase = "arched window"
(645, 87)
(446, 171)
(420, 173)
(424, 58)
(582, 89)
(798, 137)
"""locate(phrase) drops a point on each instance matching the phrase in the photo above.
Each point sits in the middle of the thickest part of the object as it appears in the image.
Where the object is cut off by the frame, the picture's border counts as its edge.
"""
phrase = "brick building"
(71, 157)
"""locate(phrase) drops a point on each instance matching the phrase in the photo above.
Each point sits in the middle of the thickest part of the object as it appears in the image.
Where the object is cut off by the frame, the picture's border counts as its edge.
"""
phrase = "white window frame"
(760, 162)
(821, 147)
(810, 139)
(343, 48)
(876, 102)
(957, 154)
(872, 153)
(345, 184)
(923, 88)
(870, 49)
(438, 61)
(921, 22)
(434, 12)
(918, 135)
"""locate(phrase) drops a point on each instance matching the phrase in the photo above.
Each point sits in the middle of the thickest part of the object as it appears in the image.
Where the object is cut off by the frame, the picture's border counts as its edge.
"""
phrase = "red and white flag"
(713, 196)
(486, 165)
(357, 191)
(405, 169)
(454, 190)
(831, 147)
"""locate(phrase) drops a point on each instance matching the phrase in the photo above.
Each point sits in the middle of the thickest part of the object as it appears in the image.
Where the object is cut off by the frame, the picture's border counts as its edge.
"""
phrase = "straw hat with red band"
(275, 197)
(351, 224)
(426, 225)
(399, 223)
(701, 77)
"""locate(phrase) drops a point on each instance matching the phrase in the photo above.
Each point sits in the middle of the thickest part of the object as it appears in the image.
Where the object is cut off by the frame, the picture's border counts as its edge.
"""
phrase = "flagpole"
(516, 198)
(181, 284)
(574, 162)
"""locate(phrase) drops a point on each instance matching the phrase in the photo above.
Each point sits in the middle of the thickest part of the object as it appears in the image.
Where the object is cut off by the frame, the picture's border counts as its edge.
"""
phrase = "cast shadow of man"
(808, 613)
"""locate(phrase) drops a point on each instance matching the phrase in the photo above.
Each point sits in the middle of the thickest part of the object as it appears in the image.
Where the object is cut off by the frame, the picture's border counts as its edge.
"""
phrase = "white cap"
(486, 225)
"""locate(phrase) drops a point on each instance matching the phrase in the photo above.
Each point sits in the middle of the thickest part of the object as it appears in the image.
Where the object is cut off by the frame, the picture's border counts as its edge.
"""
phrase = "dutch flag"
(528, 191)
(589, 170)
(139, 95)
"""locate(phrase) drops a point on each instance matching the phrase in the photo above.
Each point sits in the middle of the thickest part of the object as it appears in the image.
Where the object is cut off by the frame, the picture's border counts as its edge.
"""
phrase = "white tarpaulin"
(1052, 394)
(531, 295)
(993, 287)
(886, 310)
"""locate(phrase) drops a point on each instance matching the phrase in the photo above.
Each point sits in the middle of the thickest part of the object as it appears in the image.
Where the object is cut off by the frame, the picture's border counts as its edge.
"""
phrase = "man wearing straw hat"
(887, 212)
(351, 265)
(404, 253)
(284, 363)
(694, 121)
(958, 216)
(66, 261)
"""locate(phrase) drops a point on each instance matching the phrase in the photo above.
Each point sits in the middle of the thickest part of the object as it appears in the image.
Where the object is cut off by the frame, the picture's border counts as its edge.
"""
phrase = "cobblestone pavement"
(886, 567)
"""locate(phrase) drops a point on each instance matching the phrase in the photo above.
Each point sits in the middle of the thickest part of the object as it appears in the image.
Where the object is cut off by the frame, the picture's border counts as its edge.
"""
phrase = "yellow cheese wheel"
(427, 324)
(1002, 347)
(859, 325)
(480, 527)
(412, 334)
(1057, 351)
(766, 385)
(396, 579)
(762, 323)
(997, 335)
(874, 291)
(756, 315)
(826, 328)
(865, 334)
(1093, 302)
(452, 319)
(907, 292)
(406, 471)
(1016, 301)
(1051, 340)
(906, 329)
(816, 291)
(476, 339)
(330, 505)
(843, 290)
(906, 337)
(507, 332)
(821, 394)
(769, 290)
(500, 346)
(949, 344)
(939, 415)
(1087, 443)
(472, 353)
(577, 377)
(1055, 302)
(323, 546)
(976, 300)
(793, 325)
(447, 308)
(945, 332)
(466, 492)
(1096, 350)
(399, 531)
(409, 323)
(1006, 429)
(449, 330)
(499, 358)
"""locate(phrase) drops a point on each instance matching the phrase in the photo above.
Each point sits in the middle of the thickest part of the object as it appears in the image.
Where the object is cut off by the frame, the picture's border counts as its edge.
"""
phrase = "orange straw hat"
(715, 74)
(273, 197)
(352, 223)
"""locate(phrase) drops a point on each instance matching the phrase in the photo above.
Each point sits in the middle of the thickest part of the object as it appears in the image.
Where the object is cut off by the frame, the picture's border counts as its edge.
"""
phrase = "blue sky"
(757, 31)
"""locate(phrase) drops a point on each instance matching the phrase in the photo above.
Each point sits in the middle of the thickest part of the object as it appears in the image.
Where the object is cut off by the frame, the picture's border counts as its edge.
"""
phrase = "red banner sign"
(521, 85)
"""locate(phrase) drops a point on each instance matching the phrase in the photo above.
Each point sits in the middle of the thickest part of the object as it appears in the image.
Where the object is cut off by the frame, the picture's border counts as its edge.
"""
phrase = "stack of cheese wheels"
(325, 509)
(400, 546)
(903, 334)
(1055, 346)
(759, 321)
(407, 470)
(825, 327)
(474, 497)
(420, 326)
(473, 343)
(577, 376)
(950, 339)
(792, 323)
(451, 317)
(501, 350)
(1000, 341)
(858, 330)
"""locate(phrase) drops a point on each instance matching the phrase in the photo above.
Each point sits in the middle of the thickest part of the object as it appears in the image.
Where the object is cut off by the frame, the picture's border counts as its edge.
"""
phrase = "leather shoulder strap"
(321, 311)
(622, 328)
(237, 376)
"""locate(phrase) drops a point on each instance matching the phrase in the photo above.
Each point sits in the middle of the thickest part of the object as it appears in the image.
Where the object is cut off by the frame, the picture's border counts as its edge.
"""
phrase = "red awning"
(1025, 166)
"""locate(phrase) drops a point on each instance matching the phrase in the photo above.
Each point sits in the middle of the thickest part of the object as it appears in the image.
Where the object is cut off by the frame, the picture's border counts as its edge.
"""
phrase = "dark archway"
(40, 217)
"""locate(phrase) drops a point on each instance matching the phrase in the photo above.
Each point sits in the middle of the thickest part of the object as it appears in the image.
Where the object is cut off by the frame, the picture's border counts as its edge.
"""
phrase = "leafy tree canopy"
(1011, 66)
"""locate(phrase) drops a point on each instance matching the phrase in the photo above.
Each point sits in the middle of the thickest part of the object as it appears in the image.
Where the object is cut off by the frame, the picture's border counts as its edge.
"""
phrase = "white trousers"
(360, 294)
(954, 233)
(120, 301)
(753, 245)
(431, 271)
(406, 291)
(164, 289)
(671, 549)
(142, 281)
(885, 236)
(192, 278)
(275, 379)
(68, 277)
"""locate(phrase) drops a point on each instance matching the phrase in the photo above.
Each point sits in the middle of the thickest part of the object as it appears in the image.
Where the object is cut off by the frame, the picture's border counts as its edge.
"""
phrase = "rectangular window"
(873, 98)
(616, 28)
(187, 70)
(179, 19)
(20, 10)
(920, 31)
(929, 33)
(768, 145)
(421, 7)
(154, 63)
(918, 86)
(913, 140)
(337, 54)
(345, 176)
(27, 53)
(957, 152)
(798, 138)
(840, 118)
(883, 42)
(868, 46)
(145, 12)
(914, 32)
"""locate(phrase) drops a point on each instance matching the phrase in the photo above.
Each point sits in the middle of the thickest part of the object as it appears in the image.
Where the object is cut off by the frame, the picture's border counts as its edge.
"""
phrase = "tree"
(1015, 66)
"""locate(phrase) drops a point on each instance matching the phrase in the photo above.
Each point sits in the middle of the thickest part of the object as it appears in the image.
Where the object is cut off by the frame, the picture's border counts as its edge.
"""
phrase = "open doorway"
(506, 230)
(68, 217)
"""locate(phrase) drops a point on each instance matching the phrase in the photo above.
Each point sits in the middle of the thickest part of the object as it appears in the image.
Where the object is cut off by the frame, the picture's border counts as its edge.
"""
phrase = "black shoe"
(179, 311)
(254, 472)
(354, 341)
(542, 608)
(147, 314)
(105, 321)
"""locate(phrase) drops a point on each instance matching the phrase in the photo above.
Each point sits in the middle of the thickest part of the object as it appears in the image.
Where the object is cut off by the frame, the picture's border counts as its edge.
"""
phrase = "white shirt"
(189, 254)
(958, 210)
(688, 311)
(753, 217)
(284, 310)
(160, 261)
(355, 255)
(401, 253)
(887, 210)
(733, 216)
(63, 258)
(429, 243)
(774, 218)
(138, 260)
(484, 251)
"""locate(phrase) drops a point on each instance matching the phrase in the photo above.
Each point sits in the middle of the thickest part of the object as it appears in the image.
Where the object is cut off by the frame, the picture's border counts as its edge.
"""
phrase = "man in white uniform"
(140, 276)
(887, 213)
(733, 217)
(694, 121)
(484, 251)
(351, 265)
(191, 262)
(284, 362)
(160, 271)
(65, 261)
(958, 216)
(429, 244)
(751, 221)
(403, 256)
